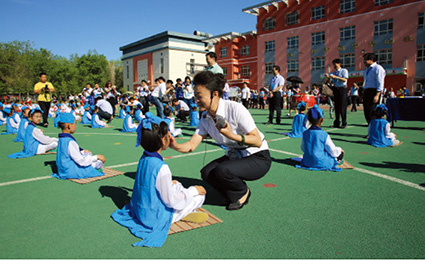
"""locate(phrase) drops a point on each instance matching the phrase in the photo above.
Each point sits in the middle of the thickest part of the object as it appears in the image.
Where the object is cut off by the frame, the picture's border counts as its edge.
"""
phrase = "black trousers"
(145, 103)
(45, 106)
(104, 115)
(340, 98)
(245, 103)
(182, 114)
(368, 104)
(354, 100)
(275, 104)
(229, 176)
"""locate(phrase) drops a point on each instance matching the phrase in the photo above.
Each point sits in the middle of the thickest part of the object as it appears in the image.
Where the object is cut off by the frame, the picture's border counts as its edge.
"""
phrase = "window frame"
(292, 39)
(223, 50)
(268, 66)
(270, 46)
(389, 23)
(345, 3)
(314, 61)
(269, 23)
(318, 13)
(378, 54)
(314, 37)
(351, 29)
(291, 20)
(290, 65)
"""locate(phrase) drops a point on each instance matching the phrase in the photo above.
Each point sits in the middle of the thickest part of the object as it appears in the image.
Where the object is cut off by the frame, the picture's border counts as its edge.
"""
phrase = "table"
(408, 109)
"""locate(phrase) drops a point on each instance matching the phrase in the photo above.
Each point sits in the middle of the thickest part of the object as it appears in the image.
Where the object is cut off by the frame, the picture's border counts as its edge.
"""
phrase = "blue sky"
(76, 26)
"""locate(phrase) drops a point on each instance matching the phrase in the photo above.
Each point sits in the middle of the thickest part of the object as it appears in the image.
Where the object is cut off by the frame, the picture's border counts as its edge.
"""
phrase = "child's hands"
(101, 157)
(175, 181)
(172, 142)
(201, 190)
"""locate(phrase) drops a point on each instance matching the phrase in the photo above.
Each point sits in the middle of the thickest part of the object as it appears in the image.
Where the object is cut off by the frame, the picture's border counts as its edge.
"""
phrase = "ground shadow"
(359, 125)
(419, 143)
(119, 195)
(118, 129)
(408, 167)
(422, 184)
(52, 165)
(408, 128)
(346, 134)
(213, 197)
(279, 133)
(347, 141)
(286, 161)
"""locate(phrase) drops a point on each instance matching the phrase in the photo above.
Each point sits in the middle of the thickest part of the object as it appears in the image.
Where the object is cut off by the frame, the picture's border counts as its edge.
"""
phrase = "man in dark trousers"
(339, 79)
(43, 89)
(276, 84)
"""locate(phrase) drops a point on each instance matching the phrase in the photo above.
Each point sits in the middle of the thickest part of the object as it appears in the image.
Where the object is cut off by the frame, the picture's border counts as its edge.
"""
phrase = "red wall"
(149, 57)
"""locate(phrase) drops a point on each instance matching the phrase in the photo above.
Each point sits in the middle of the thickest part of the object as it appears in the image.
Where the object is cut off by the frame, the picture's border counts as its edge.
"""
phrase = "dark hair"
(179, 79)
(61, 125)
(107, 83)
(98, 98)
(95, 108)
(170, 82)
(370, 56)
(161, 78)
(88, 84)
(313, 121)
(276, 67)
(145, 81)
(212, 55)
(302, 108)
(175, 100)
(213, 82)
(187, 78)
(336, 61)
(151, 140)
(379, 112)
(131, 98)
(42, 73)
(167, 111)
(35, 112)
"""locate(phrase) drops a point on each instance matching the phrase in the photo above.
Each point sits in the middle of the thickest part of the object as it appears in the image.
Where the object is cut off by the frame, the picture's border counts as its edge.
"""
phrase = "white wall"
(179, 63)
(156, 56)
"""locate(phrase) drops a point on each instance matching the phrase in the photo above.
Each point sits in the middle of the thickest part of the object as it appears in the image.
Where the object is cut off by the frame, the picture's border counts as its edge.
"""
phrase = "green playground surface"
(376, 210)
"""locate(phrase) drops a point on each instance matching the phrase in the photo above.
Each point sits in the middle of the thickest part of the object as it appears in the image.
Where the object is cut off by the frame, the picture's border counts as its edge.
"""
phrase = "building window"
(223, 52)
(245, 72)
(293, 42)
(318, 63)
(192, 66)
(162, 65)
(385, 57)
(270, 46)
(293, 18)
(292, 65)
(421, 53)
(383, 2)
(269, 67)
(317, 38)
(384, 27)
(245, 50)
(346, 6)
(224, 71)
(347, 60)
(318, 12)
(128, 72)
(421, 21)
(347, 33)
(269, 23)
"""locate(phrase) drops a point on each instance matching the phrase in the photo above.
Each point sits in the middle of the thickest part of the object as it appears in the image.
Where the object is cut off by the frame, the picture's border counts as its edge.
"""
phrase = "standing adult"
(354, 92)
(275, 103)
(188, 92)
(43, 89)
(158, 91)
(179, 89)
(230, 124)
(339, 79)
(245, 94)
(211, 58)
(226, 91)
(374, 77)
(143, 93)
(111, 96)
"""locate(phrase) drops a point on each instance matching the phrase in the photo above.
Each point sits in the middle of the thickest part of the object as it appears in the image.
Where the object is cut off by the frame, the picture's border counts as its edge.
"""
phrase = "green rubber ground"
(308, 214)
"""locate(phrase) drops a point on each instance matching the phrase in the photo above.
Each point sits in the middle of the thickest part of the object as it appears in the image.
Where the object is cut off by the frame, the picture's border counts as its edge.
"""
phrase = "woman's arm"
(252, 138)
(187, 147)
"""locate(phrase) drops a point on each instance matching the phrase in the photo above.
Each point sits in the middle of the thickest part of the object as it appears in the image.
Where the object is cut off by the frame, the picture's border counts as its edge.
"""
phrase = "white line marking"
(25, 180)
(376, 174)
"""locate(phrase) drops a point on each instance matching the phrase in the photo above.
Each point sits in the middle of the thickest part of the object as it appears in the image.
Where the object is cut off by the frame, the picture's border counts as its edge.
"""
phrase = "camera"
(46, 88)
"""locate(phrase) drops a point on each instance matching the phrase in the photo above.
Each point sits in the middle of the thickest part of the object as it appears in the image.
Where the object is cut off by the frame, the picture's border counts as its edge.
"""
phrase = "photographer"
(43, 89)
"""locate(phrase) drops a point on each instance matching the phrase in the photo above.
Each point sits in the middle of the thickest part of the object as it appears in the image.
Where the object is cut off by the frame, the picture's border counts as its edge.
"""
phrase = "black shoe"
(237, 205)
(269, 123)
(343, 126)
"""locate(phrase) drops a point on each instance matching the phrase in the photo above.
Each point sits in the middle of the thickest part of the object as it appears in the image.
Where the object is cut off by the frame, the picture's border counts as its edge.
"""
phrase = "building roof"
(163, 35)
(254, 10)
(228, 36)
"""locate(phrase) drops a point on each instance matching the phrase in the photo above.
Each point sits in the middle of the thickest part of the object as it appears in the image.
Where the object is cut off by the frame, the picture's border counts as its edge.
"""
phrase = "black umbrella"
(295, 79)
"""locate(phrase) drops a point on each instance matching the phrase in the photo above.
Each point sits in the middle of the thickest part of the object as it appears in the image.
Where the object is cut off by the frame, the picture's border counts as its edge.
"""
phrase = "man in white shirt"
(374, 77)
(181, 109)
(105, 109)
(339, 79)
(245, 92)
(276, 84)
(211, 58)
(157, 92)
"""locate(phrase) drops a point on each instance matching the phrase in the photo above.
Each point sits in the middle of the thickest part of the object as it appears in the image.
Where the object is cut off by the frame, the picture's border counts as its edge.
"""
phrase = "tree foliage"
(21, 64)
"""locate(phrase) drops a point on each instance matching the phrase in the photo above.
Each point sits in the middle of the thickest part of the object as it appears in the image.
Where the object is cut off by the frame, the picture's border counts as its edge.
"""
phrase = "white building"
(168, 54)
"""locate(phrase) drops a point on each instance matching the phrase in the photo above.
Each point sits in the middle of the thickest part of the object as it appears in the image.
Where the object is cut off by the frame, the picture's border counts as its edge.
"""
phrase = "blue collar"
(153, 154)
(31, 123)
(313, 127)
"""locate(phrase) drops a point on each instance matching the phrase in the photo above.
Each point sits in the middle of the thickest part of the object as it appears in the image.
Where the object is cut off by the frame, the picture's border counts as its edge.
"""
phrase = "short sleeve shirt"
(44, 97)
(276, 81)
